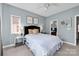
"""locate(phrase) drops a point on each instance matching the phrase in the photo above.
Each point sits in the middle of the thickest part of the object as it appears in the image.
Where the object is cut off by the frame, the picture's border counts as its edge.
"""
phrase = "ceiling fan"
(46, 6)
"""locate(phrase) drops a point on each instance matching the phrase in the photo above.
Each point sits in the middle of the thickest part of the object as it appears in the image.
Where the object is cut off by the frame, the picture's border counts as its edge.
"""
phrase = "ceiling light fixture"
(46, 6)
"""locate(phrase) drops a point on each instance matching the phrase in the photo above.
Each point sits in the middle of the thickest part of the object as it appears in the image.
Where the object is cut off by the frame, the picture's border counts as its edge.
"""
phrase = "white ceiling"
(40, 10)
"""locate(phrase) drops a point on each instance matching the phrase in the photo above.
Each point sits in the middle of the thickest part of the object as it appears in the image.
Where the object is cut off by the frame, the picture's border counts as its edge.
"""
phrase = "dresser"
(53, 33)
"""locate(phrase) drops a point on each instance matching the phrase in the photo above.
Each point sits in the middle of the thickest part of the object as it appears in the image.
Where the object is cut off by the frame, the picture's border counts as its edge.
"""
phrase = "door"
(77, 30)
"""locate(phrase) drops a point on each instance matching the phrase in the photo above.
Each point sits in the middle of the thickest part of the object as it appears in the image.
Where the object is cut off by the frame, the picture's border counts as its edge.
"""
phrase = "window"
(15, 24)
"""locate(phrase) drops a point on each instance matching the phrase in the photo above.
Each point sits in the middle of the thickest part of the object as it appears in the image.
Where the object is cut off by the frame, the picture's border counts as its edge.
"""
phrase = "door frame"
(75, 28)
(57, 25)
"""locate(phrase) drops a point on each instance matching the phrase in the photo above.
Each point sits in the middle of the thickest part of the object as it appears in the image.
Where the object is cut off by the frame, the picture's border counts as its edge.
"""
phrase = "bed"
(41, 44)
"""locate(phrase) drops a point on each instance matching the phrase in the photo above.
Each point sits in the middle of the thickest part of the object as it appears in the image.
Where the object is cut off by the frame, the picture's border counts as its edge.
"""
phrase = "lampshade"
(41, 28)
(22, 30)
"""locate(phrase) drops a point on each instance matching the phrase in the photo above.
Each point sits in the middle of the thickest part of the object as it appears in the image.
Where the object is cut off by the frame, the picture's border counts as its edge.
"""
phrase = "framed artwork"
(29, 19)
(36, 20)
(69, 24)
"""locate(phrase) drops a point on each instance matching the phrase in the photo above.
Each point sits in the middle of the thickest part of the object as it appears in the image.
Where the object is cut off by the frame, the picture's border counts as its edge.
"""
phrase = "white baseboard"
(8, 45)
(70, 43)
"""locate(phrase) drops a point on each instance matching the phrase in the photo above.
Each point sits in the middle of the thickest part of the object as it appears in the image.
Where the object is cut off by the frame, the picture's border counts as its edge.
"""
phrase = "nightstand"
(19, 41)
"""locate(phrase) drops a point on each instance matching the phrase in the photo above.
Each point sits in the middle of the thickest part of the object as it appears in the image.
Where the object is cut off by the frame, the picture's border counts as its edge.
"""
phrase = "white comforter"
(43, 44)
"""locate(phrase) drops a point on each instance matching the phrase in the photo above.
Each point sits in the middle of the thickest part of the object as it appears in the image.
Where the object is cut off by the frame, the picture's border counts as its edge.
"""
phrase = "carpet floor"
(66, 50)
(17, 51)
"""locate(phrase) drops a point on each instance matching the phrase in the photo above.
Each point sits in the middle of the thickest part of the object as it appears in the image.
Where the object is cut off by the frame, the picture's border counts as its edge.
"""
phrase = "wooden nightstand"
(19, 41)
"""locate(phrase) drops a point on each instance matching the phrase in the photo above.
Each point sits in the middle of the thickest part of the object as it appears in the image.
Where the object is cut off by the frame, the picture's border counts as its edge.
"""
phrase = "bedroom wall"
(0, 30)
(9, 10)
(0, 9)
(64, 34)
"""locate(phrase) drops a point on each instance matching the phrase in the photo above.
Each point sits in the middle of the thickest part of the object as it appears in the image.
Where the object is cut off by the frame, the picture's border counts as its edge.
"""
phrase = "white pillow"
(30, 31)
(35, 31)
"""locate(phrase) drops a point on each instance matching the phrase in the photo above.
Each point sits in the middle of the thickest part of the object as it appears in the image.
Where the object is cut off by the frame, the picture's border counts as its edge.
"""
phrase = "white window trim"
(11, 23)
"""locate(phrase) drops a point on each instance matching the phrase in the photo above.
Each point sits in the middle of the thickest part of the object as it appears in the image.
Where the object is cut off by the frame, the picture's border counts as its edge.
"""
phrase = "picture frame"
(69, 24)
(36, 20)
(29, 19)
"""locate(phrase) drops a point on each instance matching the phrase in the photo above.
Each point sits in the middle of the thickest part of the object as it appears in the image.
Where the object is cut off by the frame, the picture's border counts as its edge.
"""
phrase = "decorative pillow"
(30, 31)
(35, 31)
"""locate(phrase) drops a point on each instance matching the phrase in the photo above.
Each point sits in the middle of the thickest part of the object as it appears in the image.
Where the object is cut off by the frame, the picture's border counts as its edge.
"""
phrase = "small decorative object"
(62, 22)
(36, 20)
(29, 19)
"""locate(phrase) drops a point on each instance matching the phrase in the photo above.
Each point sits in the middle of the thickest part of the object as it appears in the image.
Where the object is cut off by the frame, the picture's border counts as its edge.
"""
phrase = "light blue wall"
(0, 36)
(9, 10)
(0, 9)
(0, 20)
(66, 35)
(0, 28)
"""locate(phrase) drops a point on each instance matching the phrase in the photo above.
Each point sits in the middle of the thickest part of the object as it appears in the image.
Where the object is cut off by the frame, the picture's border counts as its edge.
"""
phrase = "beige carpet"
(17, 51)
(66, 50)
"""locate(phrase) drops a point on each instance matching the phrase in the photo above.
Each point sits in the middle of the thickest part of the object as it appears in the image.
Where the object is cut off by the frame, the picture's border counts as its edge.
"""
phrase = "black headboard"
(30, 27)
